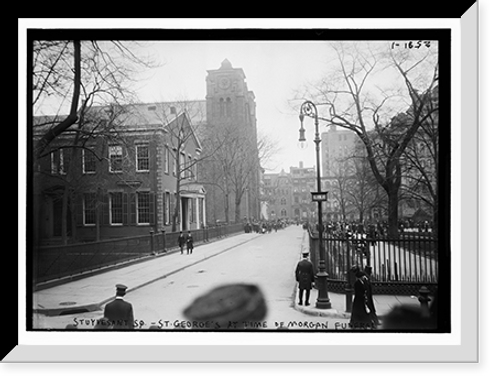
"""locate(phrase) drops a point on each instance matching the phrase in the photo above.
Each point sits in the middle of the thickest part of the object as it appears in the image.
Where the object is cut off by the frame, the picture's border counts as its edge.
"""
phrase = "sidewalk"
(91, 293)
(383, 304)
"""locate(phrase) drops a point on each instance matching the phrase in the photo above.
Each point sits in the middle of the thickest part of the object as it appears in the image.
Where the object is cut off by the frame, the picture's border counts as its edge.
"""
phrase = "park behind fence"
(55, 262)
(410, 258)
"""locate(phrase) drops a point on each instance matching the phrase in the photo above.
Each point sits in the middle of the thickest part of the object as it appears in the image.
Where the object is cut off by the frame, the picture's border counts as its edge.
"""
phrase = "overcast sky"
(273, 70)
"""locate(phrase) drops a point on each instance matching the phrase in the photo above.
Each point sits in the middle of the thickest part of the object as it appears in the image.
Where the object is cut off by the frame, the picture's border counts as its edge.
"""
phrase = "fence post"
(348, 290)
(164, 240)
(151, 241)
(424, 299)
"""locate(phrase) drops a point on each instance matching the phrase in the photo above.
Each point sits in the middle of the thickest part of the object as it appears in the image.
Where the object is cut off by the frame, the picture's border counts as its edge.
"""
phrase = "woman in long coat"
(359, 315)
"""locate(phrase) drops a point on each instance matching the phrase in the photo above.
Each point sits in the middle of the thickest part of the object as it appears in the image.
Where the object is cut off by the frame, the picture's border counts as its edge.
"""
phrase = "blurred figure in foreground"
(408, 317)
(229, 306)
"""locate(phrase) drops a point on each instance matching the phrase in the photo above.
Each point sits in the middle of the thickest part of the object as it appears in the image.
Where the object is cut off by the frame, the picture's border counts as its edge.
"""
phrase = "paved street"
(266, 260)
(163, 287)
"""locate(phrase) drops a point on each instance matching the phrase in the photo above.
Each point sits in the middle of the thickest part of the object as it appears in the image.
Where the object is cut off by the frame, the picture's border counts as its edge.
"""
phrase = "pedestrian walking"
(120, 312)
(189, 243)
(369, 296)
(304, 275)
(181, 241)
(359, 314)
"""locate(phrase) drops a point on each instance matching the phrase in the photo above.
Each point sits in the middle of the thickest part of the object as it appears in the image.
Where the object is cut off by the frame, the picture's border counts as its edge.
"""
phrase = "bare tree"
(93, 73)
(371, 84)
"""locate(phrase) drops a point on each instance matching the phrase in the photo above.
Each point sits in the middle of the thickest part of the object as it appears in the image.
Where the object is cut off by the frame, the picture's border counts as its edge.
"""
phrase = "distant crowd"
(370, 230)
(266, 226)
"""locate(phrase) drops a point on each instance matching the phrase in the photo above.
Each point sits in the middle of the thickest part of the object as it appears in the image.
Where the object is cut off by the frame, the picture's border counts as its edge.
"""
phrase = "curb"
(310, 310)
(92, 307)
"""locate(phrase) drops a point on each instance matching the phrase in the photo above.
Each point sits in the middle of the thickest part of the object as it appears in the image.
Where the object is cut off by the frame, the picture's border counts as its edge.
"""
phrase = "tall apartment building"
(336, 145)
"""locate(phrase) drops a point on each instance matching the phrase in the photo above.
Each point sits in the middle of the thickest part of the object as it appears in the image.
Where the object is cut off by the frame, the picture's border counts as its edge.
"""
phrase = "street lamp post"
(309, 109)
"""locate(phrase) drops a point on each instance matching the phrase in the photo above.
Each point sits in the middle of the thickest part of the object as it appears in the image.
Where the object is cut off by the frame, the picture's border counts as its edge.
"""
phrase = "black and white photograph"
(245, 183)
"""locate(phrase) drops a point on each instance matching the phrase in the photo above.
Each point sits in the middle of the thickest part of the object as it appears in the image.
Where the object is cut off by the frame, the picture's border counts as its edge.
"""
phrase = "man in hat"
(181, 240)
(304, 275)
(120, 312)
(189, 243)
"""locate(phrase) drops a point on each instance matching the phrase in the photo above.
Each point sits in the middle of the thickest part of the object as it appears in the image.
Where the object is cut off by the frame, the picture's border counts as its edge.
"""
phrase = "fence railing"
(53, 262)
(406, 259)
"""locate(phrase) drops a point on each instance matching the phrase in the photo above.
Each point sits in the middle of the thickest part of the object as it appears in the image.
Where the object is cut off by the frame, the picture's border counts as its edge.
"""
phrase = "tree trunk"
(237, 207)
(64, 216)
(226, 206)
(72, 117)
(393, 208)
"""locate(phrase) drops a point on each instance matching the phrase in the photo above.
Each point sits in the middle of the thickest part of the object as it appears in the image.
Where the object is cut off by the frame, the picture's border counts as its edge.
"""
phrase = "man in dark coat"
(304, 275)
(120, 312)
(181, 240)
(189, 243)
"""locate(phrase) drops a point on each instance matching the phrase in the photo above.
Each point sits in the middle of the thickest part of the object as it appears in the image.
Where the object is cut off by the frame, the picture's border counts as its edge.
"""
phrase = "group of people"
(187, 241)
(265, 226)
(363, 313)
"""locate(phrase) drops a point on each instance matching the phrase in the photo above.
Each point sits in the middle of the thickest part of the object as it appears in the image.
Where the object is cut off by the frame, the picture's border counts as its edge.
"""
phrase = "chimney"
(301, 164)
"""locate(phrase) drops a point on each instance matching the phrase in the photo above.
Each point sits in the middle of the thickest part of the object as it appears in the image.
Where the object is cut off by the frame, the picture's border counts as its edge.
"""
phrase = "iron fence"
(54, 262)
(411, 259)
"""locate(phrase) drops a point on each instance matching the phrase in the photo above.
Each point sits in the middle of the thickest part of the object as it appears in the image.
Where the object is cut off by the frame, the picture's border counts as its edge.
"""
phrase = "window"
(283, 201)
(143, 208)
(182, 169)
(115, 158)
(142, 157)
(283, 213)
(173, 111)
(167, 160)
(221, 107)
(89, 213)
(190, 166)
(53, 162)
(63, 160)
(174, 162)
(166, 208)
(89, 163)
(116, 207)
(59, 160)
(194, 170)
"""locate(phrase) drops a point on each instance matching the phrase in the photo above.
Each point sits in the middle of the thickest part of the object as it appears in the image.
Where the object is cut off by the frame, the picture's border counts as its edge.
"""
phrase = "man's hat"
(305, 253)
(121, 288)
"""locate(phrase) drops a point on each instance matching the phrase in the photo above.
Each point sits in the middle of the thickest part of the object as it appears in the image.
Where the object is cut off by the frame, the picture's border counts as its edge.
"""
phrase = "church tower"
(228, 97)
(230, 105)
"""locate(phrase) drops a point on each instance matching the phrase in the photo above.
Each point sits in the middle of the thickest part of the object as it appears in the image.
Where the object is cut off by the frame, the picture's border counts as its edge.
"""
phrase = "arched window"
(221, 107)
(283, 213)
(228, 107)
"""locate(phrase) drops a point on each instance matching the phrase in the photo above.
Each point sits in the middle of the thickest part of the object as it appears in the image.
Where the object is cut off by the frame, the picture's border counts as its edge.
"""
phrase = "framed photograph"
(237, 192)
